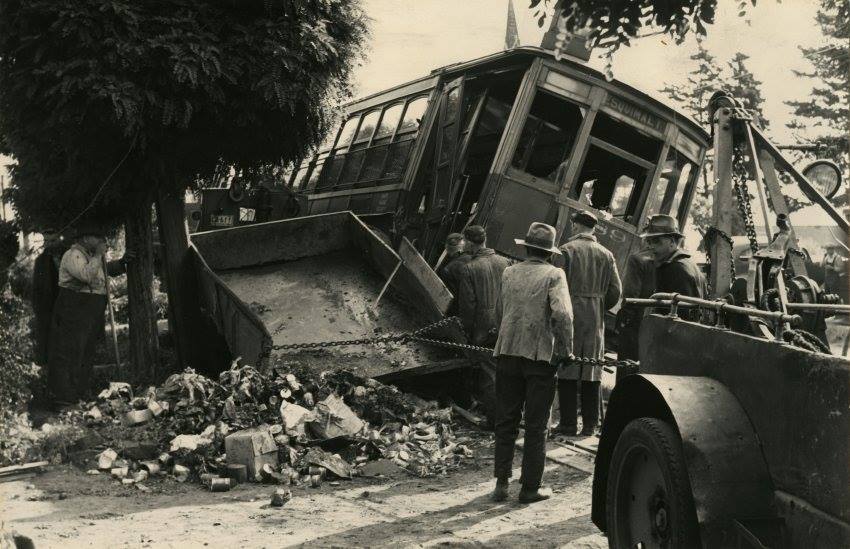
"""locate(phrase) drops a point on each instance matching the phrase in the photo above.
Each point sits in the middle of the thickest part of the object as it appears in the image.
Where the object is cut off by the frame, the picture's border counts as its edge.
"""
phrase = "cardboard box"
(252, 448)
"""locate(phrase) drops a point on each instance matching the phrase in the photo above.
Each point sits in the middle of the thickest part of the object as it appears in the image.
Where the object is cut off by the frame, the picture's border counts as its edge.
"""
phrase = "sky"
(411, 38)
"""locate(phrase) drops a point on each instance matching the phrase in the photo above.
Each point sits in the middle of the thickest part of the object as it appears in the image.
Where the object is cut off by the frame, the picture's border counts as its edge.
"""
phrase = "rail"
(674, 301)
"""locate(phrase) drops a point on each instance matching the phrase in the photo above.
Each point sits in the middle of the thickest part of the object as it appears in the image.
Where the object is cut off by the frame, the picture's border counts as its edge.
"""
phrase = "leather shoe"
(533, 496)
(500, 493)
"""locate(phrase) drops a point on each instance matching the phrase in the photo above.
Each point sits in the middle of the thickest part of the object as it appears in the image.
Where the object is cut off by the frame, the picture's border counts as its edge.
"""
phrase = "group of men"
(69, 301)
(541, 313)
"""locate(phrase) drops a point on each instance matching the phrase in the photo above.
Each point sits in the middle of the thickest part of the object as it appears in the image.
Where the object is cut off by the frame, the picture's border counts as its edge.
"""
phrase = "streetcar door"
(437, 201)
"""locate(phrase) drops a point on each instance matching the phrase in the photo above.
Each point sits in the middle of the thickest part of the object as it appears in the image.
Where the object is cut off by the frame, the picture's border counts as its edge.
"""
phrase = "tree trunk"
(144, 343)
(174, 237)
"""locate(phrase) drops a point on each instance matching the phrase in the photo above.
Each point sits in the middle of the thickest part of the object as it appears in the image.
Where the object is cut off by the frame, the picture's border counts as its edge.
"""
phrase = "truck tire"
(648, 497)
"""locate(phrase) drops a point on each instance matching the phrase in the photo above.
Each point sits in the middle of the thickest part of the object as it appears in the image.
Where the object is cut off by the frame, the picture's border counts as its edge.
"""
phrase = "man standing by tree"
(480, 285)
(45, 289)
(78, 314)
(535, 320)
(594, 288)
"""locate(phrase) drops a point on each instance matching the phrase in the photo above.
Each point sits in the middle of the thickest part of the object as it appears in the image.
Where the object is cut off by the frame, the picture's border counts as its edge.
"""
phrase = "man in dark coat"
(639, 282)
(480, 286)
(534, 317)
(455, 259)
(675, 271)
(594, 288)
(45, 289)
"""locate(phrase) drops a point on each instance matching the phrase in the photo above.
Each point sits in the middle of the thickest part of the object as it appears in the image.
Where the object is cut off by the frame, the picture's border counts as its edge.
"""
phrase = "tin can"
(221, 484)
(315, 481)
(237, 472)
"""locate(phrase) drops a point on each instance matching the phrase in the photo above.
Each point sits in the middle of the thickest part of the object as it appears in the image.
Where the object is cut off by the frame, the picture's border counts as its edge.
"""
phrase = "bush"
(17, 370)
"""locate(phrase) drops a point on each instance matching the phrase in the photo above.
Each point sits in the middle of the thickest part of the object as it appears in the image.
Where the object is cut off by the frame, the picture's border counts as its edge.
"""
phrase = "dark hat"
(585, 218)
(475, 233)
(454, 239)
(88, 229)
(661, 225)
(540, 236)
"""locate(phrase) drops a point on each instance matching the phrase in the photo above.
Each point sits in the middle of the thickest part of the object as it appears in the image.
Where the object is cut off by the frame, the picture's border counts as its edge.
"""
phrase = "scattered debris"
(280, 497)
(252, 448)
(288, 426)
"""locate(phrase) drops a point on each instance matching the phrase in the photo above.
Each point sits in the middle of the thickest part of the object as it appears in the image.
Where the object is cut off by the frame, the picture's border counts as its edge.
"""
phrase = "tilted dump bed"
(316, 279)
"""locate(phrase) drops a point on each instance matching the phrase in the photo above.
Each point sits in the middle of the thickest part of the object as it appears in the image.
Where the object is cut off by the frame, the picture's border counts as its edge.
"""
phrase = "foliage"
(17, 370)
(824, 112)
(615, 23)
(705, 77)
(161, 92)
(120, 299)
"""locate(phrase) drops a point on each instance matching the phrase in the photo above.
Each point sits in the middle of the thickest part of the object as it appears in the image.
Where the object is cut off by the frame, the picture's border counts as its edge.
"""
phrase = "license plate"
(221, 220)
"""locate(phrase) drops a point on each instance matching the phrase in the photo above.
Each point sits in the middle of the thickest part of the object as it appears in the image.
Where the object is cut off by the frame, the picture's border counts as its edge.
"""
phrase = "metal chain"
(739, 179)
(419, 336)
(805, 340)
(710, 234)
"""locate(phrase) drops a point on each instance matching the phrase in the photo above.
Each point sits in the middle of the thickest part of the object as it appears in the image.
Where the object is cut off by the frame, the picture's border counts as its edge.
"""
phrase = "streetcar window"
(413, 115)
(626, 137)
(548, 136)
(388, 122)
(676, 173)
(346, 134)
(367, 127)
(609, 182)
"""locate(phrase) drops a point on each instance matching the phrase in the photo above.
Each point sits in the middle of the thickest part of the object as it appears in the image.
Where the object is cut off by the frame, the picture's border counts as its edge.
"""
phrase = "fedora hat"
(540, 236)
(585, 218)
(661, 225)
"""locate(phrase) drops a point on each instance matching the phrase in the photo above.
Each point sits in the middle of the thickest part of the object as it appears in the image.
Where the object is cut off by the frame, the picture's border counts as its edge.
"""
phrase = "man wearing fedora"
(480, 283)
(78, 314)
(535, 321)
(594, 288)
(675, 271)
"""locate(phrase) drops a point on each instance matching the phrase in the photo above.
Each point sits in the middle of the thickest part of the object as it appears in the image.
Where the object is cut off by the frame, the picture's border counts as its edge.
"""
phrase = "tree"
(615, 23)
(824, 117)
(110, 105)
(704, 78)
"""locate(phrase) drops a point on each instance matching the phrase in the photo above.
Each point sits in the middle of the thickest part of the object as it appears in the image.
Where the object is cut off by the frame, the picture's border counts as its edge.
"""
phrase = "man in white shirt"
(78, 315)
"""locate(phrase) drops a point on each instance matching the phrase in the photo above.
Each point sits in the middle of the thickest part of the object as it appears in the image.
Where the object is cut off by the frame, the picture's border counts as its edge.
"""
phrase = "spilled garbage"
(289, 426)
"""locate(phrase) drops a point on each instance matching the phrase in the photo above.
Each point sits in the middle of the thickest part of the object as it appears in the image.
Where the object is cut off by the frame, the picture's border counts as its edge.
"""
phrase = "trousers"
(567, 396)
(522, 385)
(76, 325)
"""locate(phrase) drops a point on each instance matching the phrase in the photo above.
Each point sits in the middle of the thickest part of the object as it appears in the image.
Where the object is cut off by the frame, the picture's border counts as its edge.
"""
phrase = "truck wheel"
(648, 497)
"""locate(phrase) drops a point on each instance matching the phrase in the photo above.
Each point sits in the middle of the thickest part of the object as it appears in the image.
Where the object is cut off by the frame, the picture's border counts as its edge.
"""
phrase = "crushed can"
(280, 497)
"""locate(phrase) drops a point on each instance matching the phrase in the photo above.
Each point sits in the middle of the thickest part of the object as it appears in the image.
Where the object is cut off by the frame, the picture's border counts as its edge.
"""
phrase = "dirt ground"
(65, 507)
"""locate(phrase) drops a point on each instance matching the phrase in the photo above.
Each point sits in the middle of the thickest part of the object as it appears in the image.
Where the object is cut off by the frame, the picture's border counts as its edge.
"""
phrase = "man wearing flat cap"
(535, 320)
(455, 259)
(480, 281)
(594, 288)
(675, 271)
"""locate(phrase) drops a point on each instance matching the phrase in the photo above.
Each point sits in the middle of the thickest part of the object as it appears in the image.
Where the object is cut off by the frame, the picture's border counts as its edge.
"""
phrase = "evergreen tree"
(824, 117)
(705, 77)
